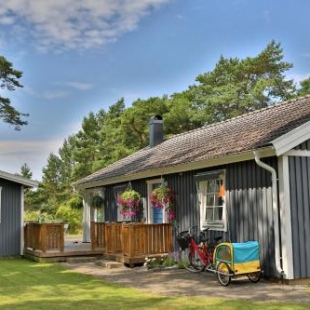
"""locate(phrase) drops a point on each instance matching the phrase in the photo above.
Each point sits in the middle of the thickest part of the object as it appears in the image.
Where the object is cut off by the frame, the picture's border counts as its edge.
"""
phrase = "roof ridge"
(258, 111)
(215, 124)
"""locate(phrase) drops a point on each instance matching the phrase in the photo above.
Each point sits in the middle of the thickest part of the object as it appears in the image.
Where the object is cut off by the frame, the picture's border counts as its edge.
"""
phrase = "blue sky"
(79, 56)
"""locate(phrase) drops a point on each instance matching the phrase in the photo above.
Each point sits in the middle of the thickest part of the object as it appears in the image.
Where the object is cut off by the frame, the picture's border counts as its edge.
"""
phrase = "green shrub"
(71, 216)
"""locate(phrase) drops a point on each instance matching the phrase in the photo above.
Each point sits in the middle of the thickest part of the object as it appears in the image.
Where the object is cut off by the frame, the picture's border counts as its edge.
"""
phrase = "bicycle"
(200, 255)
(229, 260)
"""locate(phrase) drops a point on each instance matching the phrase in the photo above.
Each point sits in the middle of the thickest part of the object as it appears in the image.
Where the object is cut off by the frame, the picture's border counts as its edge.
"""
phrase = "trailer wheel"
(254, 276)
(223, 273)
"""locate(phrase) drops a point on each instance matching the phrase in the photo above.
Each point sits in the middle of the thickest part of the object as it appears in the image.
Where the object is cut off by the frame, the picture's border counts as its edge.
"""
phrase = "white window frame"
(149, 215)
(204, 190)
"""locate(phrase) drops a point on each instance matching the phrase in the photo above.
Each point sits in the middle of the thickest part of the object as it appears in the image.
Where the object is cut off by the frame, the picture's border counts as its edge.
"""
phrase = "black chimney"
(156, 126)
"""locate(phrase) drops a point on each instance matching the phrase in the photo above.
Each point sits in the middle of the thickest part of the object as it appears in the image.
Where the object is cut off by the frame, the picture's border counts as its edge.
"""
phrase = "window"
(120, 217)
(155, 215)
(211, 197)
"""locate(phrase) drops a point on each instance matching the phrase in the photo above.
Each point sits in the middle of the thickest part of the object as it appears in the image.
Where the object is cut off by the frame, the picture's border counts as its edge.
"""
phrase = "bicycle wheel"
(254, 276)
(184, 262)
(195, 261)
(223, 273)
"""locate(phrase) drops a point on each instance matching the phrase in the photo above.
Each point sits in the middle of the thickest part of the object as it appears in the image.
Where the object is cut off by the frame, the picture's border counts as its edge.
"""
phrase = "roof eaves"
(18, 179)
(195, 165)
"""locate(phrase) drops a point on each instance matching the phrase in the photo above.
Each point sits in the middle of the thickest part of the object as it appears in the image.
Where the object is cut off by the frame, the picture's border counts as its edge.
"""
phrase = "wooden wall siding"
(110, 206)
(10, 226)
(249, 201)
(303, 146)
(299, 168)
(250, 209)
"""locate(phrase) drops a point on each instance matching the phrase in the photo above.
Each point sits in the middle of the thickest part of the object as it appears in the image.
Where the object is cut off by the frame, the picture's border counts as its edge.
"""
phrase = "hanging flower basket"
(163, 197)
(96, 201)
(130, 201)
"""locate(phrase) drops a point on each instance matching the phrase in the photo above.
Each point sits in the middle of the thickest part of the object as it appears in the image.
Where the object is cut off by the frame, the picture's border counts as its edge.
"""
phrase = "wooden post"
(93, 235)
(62, 237)
(42, 240)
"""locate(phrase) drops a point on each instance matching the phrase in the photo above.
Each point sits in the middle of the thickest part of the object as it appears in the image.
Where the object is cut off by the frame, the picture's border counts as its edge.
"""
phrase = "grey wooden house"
(11, 212)
(263, 161)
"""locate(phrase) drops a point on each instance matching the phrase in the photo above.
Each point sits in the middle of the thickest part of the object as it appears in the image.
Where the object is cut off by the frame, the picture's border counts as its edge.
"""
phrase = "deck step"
(81, 259)
(108, 264)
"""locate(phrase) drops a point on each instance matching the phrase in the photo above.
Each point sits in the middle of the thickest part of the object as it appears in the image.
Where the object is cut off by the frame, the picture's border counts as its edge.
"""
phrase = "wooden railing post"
(42, 238)
(93, 235)
(62, 237)
(131, 240)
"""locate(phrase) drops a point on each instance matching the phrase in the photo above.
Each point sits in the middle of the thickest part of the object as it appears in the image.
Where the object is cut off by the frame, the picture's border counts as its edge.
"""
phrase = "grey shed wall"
(10, 226)
(249, 205)
(299, 170)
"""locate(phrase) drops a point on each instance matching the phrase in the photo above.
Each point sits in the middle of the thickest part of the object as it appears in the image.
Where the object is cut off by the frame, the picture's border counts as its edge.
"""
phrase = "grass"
(29, 285)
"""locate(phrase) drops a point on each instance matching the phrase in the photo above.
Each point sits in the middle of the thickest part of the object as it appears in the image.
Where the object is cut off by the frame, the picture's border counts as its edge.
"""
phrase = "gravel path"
(177, 282)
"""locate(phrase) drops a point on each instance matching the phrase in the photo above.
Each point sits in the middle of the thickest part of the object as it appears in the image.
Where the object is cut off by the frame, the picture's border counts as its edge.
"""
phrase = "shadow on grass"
(29, 285)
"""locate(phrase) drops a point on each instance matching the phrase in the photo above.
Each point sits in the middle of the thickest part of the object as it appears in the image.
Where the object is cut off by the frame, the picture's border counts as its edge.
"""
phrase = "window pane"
(211, 186)
(210, 200)
(209, 215)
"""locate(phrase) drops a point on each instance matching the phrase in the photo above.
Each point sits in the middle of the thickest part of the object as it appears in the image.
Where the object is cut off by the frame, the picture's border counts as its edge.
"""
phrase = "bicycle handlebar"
(195, 227)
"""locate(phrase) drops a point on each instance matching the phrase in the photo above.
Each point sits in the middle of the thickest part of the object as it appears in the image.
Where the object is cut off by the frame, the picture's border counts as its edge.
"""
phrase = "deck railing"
(44, 236)
(130, 240)
(138, 239)
(97, 235)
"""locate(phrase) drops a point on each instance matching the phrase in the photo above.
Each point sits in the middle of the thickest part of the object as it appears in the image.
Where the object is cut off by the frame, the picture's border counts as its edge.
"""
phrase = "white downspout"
(275, 210)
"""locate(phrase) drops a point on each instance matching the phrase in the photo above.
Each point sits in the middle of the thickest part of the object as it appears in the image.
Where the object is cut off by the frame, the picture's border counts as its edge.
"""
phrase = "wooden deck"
(72, 248)
(128, 243)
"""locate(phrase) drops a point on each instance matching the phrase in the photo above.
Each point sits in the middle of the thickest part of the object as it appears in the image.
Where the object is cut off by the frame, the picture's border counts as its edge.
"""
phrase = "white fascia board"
(291, 139)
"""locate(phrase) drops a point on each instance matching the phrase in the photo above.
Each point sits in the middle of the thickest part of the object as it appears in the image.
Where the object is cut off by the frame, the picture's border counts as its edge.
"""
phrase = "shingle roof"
(240, 134)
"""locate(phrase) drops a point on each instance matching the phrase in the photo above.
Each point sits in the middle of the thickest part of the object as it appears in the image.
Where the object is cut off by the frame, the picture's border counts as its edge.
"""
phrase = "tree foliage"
(304, 87)
(26, 171)
(235, 86)
(9, 80)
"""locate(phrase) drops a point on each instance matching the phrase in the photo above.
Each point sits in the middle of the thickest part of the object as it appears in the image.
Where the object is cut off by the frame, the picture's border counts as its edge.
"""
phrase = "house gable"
(291, 139)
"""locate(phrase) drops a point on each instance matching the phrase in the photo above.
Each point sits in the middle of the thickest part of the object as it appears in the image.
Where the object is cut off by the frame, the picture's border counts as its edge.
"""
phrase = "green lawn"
(28, 285)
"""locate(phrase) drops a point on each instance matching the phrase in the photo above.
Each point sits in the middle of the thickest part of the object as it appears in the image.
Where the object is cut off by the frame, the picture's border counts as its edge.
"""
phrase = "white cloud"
(14, 153)
(54, 94)
(74, 24)
(79, 86)
(48, 94)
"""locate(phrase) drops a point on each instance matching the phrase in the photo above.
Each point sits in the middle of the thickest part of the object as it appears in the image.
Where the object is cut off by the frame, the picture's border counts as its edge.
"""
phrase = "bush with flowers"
(163, 197)
(131, 202)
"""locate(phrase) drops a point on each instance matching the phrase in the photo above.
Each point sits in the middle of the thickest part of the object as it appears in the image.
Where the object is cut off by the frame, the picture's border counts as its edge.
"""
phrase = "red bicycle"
(200, 251)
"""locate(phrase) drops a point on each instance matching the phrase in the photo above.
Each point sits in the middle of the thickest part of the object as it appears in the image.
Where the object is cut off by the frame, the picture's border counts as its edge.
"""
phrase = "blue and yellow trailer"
(233, 259)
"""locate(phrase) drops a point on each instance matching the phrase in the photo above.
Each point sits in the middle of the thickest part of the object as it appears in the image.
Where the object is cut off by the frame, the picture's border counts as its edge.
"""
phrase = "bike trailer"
(242, 258)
